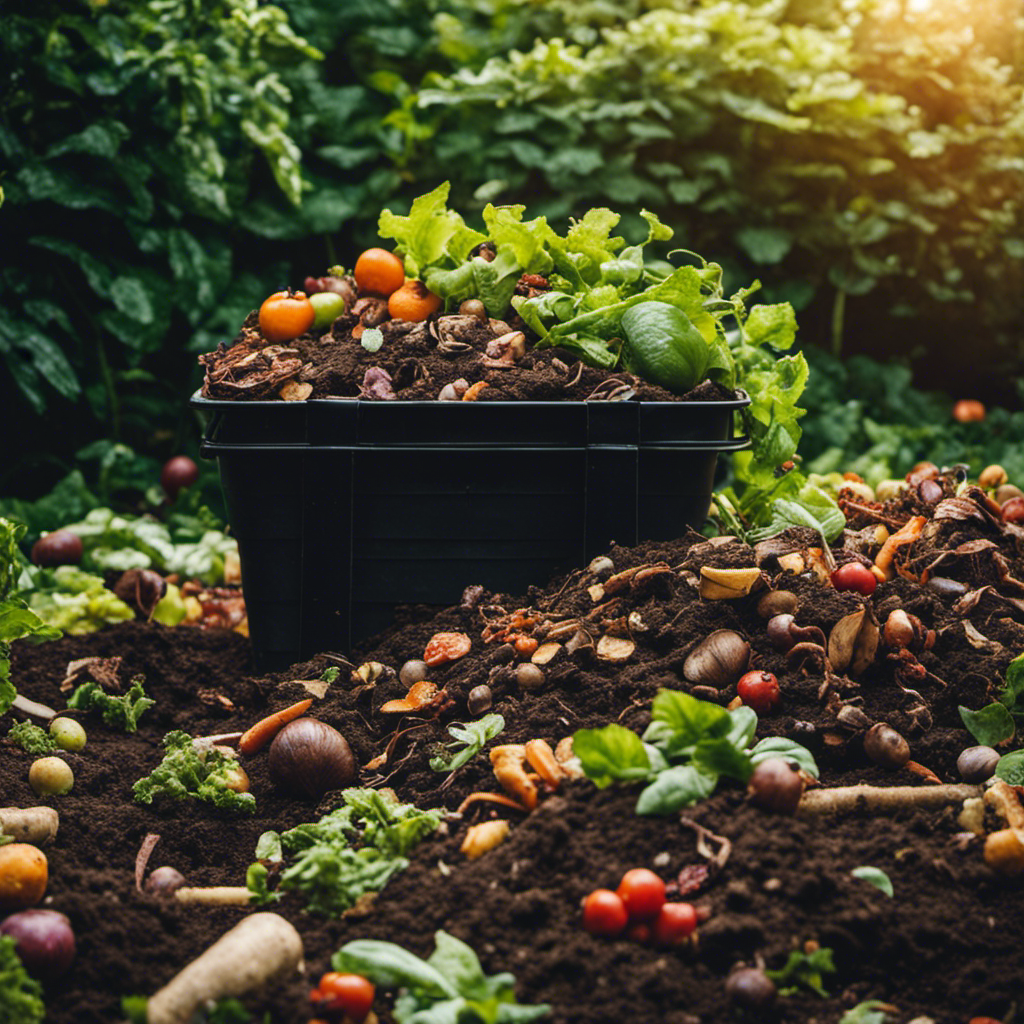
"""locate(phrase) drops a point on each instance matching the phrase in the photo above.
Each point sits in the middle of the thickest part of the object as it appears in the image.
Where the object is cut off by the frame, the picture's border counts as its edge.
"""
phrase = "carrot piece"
(906, 534)
(419, 696)
(256, 737)
(493, 798)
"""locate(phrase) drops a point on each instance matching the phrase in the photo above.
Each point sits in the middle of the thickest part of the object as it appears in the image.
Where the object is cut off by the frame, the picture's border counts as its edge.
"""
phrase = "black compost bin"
(345, 508)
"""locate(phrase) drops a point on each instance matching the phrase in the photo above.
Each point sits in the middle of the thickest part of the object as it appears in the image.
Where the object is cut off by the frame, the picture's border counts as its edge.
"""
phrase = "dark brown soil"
(419, 365)
(947, 945)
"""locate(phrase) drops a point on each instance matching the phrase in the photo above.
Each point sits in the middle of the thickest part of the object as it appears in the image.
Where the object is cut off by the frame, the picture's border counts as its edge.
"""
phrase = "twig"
(884, 798)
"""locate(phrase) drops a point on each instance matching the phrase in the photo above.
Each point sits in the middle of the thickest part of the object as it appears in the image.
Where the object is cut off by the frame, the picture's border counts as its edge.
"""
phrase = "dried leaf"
(853, 642)
(793, 562)
(730, 584)
(613, 648)
(545, 653)
(981, 642)
(104, 671)
(317, 687)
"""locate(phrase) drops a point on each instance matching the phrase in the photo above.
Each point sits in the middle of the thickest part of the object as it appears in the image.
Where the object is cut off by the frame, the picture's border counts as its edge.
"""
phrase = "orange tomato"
(286, 315)
(379, 272)
(23, 875)
(968, 410)
(413, 301)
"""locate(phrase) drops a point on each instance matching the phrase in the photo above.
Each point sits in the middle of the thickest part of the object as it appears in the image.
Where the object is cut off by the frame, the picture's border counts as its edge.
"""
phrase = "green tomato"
(50, 776)
(170, 609)
(327, 307)
(67, 734)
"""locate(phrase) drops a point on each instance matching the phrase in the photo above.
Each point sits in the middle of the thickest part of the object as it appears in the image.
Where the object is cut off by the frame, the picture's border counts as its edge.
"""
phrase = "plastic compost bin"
(345, 508)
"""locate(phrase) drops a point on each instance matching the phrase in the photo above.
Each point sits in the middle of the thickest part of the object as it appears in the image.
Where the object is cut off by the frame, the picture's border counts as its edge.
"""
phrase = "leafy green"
(74, 601)
(203, 774)
(687, 747)
(997, 722)
(664, 347)
(1010, 767)
(471, 739)
(347, 854)
(876, 877)
(119, 542)
(449, 987)
(21, 997)
(871, 1011)
(16, 621)
(224, 1011)
(990, 725)
(121, 712)
(31, 738)
(804, 970)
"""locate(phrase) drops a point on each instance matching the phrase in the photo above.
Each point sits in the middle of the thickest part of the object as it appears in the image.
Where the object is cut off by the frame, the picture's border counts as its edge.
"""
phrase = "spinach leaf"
(611, 754)
(989, 725)
(449, 987)
(471, 738)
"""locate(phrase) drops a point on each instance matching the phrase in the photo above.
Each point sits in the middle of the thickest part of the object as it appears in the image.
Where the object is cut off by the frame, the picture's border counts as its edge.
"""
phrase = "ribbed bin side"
(360, 508)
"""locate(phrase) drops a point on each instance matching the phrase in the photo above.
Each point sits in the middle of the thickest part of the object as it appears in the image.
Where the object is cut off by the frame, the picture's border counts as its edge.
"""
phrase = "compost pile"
(451, 358)
(592, 648)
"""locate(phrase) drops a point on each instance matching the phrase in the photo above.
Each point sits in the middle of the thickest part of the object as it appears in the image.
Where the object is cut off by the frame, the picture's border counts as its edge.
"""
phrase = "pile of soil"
(419, 360)
(945, 946)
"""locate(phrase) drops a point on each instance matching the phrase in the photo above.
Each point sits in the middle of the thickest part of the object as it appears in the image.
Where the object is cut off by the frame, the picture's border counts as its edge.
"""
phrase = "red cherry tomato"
(968, 410)
(643, 893)
(759, 690)
(675, 922)
(854, 576)
(604, 913)
(351, 994)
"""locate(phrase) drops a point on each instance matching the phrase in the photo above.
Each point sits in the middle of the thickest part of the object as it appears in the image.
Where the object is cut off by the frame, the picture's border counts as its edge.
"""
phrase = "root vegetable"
(35, 825)
(45, 941)
(261, 950)
(23, 875)
(213, 895)
(883, 799)
(507, 762)
(259, 735)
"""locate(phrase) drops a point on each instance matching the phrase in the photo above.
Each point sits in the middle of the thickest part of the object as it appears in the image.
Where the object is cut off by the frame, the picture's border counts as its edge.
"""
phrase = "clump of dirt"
(420, 361)
(945, 945)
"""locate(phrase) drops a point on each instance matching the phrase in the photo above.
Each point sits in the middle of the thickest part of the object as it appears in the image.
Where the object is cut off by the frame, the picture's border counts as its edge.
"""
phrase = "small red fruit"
(350, 994)
(1013, 510)
(854, 576)
(643, 893)
(177, 474)
(759, 690)
(675, 922)
(604, 913)
(62, 547)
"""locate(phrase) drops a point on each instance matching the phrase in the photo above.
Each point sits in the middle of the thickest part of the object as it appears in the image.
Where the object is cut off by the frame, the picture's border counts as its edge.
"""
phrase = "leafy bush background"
(166, 163)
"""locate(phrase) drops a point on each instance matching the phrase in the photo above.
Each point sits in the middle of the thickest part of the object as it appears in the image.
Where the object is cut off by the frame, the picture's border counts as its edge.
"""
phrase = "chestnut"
(309, 757)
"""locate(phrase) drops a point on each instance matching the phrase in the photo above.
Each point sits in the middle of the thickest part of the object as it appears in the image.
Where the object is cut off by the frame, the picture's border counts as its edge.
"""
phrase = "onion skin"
(308, 757)
(45, 941)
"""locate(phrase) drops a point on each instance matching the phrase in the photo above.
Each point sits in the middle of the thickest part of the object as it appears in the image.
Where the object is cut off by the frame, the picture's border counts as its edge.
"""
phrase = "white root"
(260, 950)
(884, 798)
(215, 895)
(35, 825)
(33, 708)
